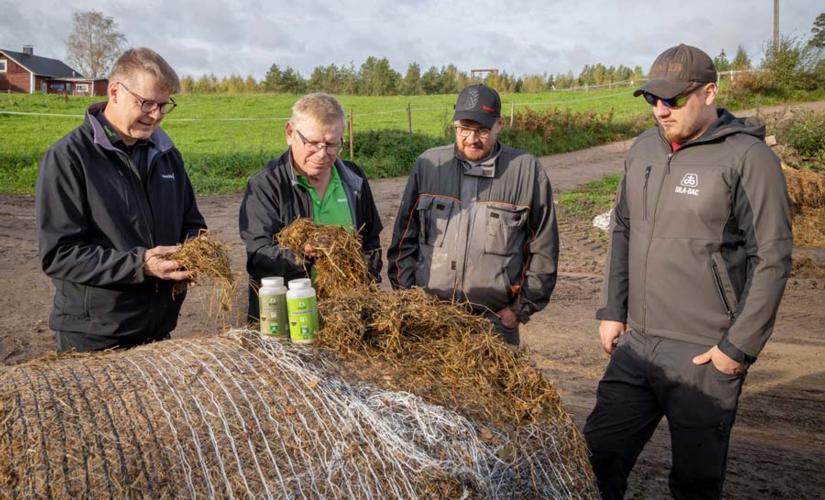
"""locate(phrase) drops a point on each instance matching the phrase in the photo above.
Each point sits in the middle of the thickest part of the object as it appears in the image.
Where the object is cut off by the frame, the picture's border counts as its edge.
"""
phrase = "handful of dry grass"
(206, 257)
(339, 263)
(806, 190)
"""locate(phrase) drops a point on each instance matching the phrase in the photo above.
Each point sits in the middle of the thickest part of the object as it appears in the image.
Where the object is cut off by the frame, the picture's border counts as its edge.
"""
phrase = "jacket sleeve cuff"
(521, 313)
(608, 314)
(734, 352)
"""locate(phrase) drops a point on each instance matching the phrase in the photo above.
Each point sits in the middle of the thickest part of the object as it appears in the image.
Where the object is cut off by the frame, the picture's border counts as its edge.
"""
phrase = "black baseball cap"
(676, 70)
(478, 103)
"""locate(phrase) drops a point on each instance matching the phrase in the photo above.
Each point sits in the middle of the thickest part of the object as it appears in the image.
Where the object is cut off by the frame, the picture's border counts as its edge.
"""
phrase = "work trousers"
(650, 377)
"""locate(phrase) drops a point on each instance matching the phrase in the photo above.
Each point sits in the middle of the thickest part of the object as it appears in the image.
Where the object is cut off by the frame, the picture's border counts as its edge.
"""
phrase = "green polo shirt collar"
(334, 207)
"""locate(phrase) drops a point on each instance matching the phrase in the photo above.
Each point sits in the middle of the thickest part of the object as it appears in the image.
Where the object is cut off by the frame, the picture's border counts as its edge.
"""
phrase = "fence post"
(351, 137)
(409, 117)
(512, 113)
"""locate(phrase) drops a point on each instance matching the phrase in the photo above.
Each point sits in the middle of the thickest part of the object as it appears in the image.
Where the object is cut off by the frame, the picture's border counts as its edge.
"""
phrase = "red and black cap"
(676, 70)
(478, 103)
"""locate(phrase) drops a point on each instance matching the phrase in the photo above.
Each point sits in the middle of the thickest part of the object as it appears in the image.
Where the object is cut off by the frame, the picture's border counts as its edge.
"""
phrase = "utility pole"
(775, 26)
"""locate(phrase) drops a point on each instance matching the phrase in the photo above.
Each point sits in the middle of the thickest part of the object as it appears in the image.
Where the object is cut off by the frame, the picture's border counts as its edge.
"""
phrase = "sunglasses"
(673, 102)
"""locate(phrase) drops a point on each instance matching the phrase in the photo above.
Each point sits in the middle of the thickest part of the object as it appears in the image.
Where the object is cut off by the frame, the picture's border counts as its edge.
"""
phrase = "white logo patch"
(690, 180)
(689, 185)
(168, 177)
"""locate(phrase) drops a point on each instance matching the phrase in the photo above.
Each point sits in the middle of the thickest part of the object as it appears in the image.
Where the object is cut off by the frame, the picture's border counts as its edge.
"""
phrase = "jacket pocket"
(505, 230)
(724, 287)
(434, 216)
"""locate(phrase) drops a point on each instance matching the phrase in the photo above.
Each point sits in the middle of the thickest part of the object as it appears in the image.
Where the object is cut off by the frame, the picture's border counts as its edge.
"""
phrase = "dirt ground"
(778, 443)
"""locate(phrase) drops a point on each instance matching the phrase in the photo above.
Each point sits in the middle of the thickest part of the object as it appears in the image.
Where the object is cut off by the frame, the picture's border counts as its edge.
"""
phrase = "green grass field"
(226, 138)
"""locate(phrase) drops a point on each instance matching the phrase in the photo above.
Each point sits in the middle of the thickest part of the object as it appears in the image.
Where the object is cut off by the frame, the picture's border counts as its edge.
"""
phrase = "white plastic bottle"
(303, 311)
(272, 300)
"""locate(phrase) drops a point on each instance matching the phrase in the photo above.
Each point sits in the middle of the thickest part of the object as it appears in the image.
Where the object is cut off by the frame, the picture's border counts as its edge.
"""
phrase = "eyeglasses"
(673, 102)
(148, 106)
(465, 132)
(313, 147)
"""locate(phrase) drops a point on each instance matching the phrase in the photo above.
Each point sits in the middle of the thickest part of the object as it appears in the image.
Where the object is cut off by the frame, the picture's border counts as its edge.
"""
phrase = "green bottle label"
(303, 319)
(274, 320)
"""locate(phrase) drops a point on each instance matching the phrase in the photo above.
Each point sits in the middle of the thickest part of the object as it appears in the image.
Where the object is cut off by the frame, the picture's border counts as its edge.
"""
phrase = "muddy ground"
(778, 442)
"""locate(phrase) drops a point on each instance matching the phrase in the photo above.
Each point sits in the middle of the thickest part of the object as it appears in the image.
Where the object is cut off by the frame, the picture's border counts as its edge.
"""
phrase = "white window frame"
(4, 65)
(81, 87)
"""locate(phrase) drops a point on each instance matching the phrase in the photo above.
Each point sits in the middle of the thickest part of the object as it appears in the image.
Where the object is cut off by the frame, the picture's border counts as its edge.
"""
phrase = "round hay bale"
(238, 415)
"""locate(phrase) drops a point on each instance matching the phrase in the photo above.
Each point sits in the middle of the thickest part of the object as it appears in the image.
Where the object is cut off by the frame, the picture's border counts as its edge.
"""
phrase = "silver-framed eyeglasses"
(313, 147)
(147, 106)
(464, 132)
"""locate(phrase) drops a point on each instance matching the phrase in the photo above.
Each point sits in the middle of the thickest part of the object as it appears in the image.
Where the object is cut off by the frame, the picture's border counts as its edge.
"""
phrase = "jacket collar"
(159, 141)
(483, 168)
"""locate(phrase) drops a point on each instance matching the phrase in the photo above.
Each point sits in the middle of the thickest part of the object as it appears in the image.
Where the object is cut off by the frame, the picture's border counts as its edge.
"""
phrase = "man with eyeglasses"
(307, 180)
(113, 200)
(700, 249)
(477, 222)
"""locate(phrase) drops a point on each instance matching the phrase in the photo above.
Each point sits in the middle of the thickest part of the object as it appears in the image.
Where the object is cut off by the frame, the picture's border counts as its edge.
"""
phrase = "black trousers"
(651, 377)
(80, 342)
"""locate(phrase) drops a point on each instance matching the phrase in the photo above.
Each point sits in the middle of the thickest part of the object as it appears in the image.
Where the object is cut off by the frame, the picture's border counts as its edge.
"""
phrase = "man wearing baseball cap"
(477, 221)
(700, 249)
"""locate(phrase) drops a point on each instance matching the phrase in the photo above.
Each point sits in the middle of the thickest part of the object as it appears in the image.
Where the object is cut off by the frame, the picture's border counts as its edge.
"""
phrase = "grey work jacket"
(491, 240)
(701, 239)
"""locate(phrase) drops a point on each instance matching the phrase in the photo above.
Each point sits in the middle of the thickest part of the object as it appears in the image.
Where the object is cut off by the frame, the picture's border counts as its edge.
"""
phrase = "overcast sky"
(540, 36)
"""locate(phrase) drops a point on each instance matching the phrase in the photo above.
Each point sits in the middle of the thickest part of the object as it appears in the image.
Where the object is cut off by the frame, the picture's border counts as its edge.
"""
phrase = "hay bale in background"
(238, 415)
(806, 190)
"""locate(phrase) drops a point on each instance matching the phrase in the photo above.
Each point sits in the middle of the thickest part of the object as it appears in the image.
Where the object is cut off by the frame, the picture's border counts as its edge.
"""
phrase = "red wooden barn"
(28, 73)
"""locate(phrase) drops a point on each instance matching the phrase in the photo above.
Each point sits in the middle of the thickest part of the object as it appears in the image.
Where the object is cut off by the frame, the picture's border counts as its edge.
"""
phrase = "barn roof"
(42, 66)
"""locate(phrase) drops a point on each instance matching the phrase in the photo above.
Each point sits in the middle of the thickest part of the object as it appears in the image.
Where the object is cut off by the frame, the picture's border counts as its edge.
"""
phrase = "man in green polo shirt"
(308, 180)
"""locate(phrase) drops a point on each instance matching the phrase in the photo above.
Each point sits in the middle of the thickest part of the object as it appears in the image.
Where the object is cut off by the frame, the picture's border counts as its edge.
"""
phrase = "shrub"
(554, 131)
(389, 153)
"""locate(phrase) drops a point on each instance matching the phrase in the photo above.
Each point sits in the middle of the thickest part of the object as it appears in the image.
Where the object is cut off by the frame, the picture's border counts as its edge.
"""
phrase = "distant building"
(28, 73)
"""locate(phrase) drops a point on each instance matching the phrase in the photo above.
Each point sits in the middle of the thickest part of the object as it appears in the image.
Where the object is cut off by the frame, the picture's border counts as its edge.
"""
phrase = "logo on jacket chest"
(689, 185)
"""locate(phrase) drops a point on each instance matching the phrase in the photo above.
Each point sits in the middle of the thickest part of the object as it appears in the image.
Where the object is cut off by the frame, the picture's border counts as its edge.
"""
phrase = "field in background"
(226, 138)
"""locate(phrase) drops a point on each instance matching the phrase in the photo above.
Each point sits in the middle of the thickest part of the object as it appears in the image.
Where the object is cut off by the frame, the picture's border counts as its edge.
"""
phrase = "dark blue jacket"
(95, 220)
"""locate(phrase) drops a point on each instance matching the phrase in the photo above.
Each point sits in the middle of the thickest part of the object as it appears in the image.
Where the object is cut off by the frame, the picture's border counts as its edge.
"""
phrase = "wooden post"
(409, 118)
(512, 113)
(775, 26)
(351, 138)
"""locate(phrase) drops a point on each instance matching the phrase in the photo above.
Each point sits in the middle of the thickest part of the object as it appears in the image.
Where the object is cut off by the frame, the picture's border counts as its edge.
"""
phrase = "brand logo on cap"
(488, 109)
(469, 99)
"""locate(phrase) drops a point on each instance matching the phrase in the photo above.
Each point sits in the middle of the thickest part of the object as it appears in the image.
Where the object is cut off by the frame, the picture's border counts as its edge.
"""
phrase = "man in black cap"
(691, 292)
(477, 221)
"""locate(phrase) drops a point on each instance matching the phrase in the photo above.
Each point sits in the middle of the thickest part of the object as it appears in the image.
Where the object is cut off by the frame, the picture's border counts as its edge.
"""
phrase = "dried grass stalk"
(207, 258)
(340, 267)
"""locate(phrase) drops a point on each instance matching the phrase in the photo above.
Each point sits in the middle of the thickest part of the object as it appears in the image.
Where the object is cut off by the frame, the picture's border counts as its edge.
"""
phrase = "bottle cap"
(272, 281)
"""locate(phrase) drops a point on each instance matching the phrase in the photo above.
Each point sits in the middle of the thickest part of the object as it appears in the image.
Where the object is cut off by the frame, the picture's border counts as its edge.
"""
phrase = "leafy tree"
(94, 43)
(741, 61)
(721, 62)
(411, 85)
(187, 84)
(818, 31)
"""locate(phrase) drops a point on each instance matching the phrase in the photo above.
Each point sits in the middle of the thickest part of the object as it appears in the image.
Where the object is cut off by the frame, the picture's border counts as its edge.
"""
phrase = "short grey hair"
(321, 107)
(147, 60)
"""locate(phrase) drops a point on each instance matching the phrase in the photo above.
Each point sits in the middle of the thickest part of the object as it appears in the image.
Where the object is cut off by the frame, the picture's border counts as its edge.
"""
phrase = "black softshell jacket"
(701, 239)
(274, 198)
(95, 220)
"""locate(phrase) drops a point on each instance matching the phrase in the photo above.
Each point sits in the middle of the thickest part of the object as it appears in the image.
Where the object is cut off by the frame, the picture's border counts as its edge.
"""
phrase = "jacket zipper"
(721, 289)
(644, 195)
(650, 239)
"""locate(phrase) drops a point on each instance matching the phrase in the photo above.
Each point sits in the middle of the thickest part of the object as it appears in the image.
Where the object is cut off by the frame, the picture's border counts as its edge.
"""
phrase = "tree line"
(375, 76)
